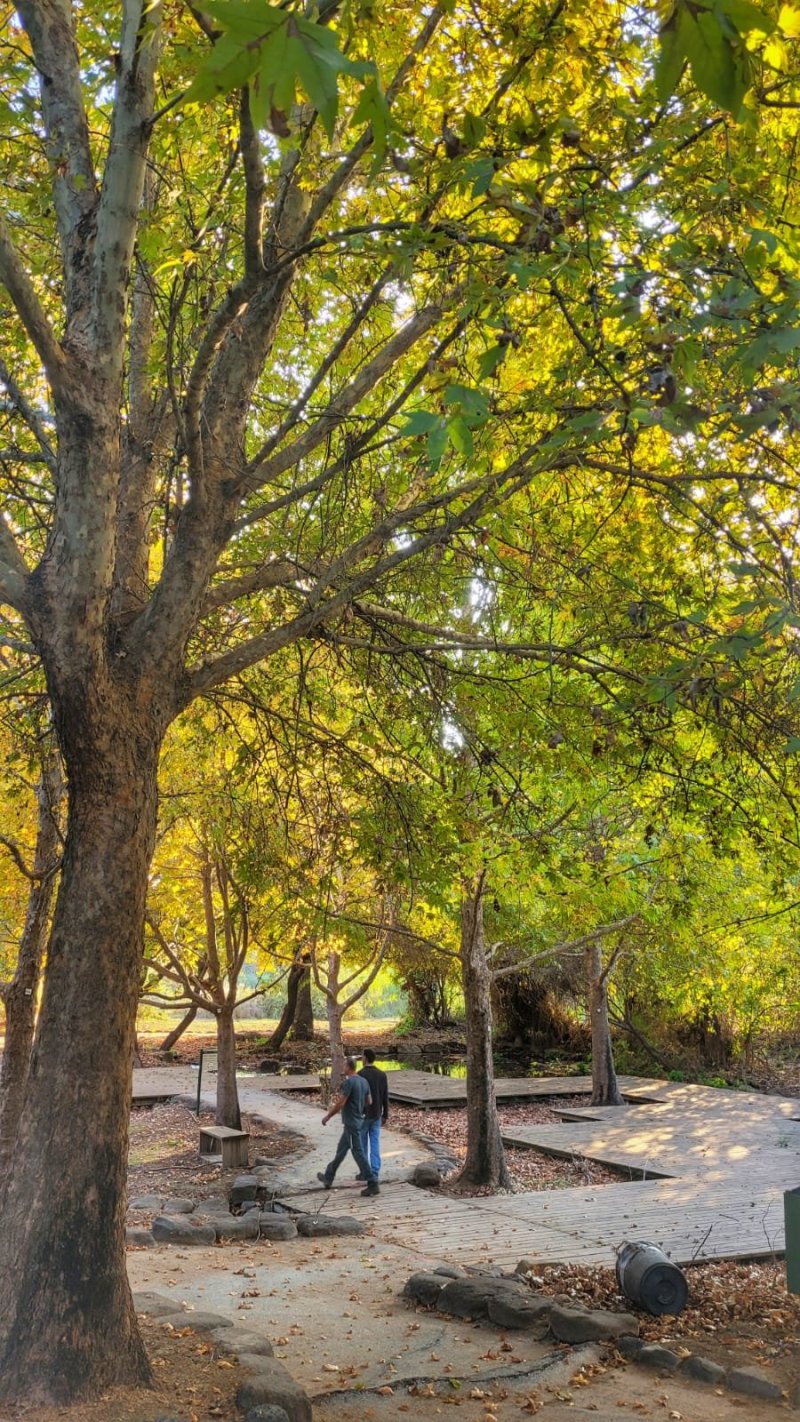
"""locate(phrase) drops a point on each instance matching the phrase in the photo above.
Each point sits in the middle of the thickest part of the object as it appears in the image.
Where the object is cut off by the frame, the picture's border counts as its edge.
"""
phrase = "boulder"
(469, 1298)
(198, 1321)
(215, 1206)
(245, 1227)
(702, 1370)
(177, 1207)
(268, 1382)
(753, 1383)
(532, 1313)
(571, 1325)
(269, 1065)
(629, 1346)
(425, 1288)
(233, 1341)
(172, 1229)
(450, 1271)
(267, 1412)
(249, 1206)
(276, 1226)
(141, 1238)
(244, 1187)
(145, 1202)
(426, 1175)
(154, 1305)
(655, 1355)
(322, 1226)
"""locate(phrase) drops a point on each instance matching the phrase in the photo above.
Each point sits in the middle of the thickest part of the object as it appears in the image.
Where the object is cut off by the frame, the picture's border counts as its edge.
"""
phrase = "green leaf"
(460, 435)
(437, 444)
(792, 746)
(671, 58)
(491, 360)
(473, 404)
(420, 422)
(719, 68)
(746, 17)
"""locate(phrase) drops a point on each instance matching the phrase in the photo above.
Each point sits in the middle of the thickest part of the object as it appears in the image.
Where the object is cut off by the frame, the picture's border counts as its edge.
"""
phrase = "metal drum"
(648, 1278)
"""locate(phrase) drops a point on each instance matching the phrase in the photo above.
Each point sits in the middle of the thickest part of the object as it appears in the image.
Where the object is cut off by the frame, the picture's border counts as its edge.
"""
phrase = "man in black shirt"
(353, 1100)
(377, 1113)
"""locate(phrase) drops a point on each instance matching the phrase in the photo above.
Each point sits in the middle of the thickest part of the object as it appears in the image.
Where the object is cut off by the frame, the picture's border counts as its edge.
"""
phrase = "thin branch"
(30, 310)
(31, 417)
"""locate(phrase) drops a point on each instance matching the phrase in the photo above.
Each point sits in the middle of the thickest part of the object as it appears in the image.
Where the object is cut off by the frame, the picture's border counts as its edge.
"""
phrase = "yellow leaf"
(789, 21)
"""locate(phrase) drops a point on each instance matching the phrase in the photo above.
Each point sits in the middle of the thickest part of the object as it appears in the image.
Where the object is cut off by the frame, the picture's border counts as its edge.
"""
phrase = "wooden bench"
(223, 1140)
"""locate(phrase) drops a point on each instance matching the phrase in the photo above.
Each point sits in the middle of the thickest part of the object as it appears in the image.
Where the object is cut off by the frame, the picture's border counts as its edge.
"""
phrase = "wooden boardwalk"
(162, 1083)
(429, 1091)
(727, 1158)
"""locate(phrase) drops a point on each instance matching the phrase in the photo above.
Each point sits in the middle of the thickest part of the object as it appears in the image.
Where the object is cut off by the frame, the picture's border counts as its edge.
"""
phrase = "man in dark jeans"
(352, 1101)
(377, 1113)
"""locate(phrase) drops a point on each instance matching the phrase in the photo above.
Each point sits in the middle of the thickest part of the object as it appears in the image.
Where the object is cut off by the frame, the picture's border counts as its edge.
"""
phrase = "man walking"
(352, 1101)
(377, 1112)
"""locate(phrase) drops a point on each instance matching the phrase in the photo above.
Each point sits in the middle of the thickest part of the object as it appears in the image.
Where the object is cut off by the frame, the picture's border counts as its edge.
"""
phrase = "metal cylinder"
(648, 1278)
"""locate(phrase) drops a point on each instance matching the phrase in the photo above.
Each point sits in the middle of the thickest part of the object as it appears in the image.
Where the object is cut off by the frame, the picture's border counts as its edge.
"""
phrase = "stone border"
(265, 1381)
(744, 1381)
(504, 1300)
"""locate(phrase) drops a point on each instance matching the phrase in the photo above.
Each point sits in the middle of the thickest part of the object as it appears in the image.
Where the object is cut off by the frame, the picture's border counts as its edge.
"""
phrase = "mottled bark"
(19, 996)
(178, 1031)
(288, 1016)
(228, 1112)
(605, 1091)
(485, 1162)
(303, 1025)
(67, 1325)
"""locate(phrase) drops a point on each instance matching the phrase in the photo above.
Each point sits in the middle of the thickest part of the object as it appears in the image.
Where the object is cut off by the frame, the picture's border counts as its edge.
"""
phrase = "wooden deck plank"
(429, 1090)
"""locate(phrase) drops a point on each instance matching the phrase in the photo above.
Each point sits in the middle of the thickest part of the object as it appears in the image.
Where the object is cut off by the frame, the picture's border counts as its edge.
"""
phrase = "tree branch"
(30, 310)
(30, 416)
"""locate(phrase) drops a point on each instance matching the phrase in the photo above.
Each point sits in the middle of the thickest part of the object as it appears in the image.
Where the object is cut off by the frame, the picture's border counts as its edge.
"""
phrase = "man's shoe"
(372, 1190)
(325, 1181)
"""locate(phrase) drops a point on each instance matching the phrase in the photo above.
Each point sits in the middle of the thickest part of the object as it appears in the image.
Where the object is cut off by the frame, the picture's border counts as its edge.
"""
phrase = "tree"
(219, 446)
(19, 994)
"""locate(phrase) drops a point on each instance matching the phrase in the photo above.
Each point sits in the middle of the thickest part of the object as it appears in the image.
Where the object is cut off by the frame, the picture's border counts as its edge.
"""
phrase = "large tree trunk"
(287, 1017)
(177, 1032)
(486, 1160)
(605, 1091)
(67, 1324)
(228, 1112)
(303, 1028)
(19, 996)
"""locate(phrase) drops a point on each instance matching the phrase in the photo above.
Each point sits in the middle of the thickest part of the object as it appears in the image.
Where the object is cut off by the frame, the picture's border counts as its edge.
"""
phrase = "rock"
(145, 1202)
(234, 1341)
(177, 1207)
(142, 1238)
(169, 1229)
(245, 1187)
(469, 1298)
(450, 1271)
(425, 1288)
(268, 1412)
(198, 1321)
(525, 1266)
(629, 1346)
(655, 1355)
(154, 1305)
(215, 1206)
(248, 1207)
(794, 1396)
(268, 1382)
(571, 1325)
(321, 1226)
(702, 1369)
(269, 1065)
(426, 1175)
(276, 1226)
(531, 1313)
(264, 1161)
(245, 1227)
(754, 1384)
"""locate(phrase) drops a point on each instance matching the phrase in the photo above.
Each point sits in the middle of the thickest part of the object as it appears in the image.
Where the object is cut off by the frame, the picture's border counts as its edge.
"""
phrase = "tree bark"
(605, 1090)
(287, 1017)
(67, 1325)
(228, 1112)
(303, 1025)
(485, 1163)
(177, 1032)
(19, 996)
